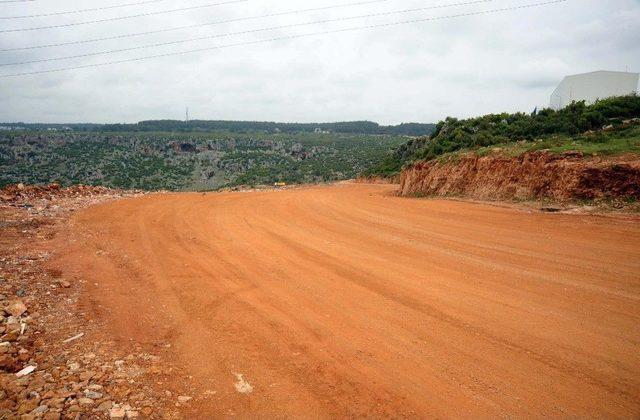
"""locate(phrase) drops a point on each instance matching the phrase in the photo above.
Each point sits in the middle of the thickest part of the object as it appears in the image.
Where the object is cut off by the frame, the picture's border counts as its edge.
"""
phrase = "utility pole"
(186, 119)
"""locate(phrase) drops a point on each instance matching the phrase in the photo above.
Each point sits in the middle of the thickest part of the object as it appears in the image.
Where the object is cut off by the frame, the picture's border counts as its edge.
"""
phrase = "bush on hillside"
(454, 134)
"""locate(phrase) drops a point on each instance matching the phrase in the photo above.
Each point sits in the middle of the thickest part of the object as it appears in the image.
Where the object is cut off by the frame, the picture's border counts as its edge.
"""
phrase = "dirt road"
(347, 301)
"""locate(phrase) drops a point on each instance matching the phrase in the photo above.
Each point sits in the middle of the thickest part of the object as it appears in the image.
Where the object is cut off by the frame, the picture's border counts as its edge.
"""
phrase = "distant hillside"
(351, 127)
(577, 127)
(186, 161)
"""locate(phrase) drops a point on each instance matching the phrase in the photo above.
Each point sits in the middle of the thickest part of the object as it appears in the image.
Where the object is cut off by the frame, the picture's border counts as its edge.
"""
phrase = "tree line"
(243, 127)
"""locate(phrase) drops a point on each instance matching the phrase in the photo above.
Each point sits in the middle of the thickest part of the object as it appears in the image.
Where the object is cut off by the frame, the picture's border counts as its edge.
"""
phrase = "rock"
(136, 397)
(105, 406)
(242, 386)
(85, 376)
(16, 308)
(75, 337)
(52, 416)
(48, 395)
(74, 408)
(40, 410)
(132, 414)
(21, 293)
(117, 413)
(11, 336)
(24, 357)
(56, 402)
(13, 325)
(64, 393)
(64, 283)
(184, 398)
(86, 401)
(92, 394)
(9, 363)
(26, 371)
(34, 395)
(27, 406)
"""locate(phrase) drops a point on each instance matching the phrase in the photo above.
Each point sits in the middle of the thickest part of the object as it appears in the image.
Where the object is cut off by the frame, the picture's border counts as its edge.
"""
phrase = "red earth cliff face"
(533, 175)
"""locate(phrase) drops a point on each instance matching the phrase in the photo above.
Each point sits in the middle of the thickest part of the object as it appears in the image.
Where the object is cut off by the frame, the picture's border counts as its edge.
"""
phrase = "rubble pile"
(21, 192)
(54, 201)
(53, 362)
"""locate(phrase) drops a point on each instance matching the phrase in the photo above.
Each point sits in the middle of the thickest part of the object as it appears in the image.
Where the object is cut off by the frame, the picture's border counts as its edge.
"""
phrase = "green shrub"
(453, 134)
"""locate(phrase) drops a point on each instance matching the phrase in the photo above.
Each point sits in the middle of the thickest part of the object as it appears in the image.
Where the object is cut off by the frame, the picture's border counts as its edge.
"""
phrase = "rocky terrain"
(54, 363)
(530, 176)
(185, 161)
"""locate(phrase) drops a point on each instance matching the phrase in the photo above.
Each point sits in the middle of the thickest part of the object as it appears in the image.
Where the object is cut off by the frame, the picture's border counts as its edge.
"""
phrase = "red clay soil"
(378, 180)
(347, 301)
(536, 175)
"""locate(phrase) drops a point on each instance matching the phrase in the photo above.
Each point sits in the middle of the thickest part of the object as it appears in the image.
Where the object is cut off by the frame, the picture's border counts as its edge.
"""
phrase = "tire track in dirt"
(348, 301)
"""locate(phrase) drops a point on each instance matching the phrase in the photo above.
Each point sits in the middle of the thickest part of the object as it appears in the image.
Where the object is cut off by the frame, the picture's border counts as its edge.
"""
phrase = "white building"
(592, 86)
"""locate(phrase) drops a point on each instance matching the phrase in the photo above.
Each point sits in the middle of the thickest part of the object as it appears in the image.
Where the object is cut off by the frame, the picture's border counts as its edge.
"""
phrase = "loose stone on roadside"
(184, 398)
(117, 413)
(16, 308)
(46, 370)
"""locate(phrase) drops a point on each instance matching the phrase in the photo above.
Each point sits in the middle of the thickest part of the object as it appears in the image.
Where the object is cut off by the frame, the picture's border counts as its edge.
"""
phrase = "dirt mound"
(536, 175)
(20, 192)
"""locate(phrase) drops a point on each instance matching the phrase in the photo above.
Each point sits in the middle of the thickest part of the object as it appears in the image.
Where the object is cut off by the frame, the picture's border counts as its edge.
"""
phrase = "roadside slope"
(530, 176)
(348, 301)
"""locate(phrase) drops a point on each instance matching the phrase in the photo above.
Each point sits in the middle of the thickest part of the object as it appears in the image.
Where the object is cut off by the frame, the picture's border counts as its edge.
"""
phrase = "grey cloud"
(508, 61)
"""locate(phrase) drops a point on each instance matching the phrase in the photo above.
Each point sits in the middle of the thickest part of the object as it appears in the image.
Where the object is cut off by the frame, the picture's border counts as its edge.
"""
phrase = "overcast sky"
(421, 72)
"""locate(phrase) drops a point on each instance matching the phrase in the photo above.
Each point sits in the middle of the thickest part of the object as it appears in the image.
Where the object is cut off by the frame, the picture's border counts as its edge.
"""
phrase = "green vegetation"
(619, 140)
(186, 161)
(578, 127)
(241, 127)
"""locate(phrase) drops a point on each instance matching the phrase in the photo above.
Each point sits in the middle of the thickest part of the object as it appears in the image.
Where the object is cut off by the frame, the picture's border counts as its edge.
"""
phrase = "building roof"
(602, 71)
(593, 85)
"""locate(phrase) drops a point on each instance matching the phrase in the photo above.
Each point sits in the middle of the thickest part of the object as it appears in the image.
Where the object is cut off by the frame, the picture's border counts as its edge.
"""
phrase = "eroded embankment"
(536, 175)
